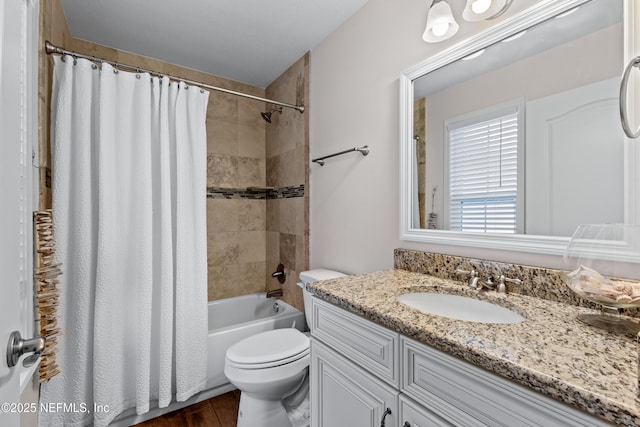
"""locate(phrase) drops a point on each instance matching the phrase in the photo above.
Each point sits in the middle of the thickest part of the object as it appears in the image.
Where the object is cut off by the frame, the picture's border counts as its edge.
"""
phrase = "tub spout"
(275, 293)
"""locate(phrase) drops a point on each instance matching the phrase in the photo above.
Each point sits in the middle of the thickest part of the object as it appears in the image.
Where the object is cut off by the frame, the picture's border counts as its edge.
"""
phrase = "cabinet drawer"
(438, 380)
(367, 344)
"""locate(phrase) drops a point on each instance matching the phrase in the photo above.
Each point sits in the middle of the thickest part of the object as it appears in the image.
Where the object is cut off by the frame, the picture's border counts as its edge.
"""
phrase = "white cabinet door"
(342, 394)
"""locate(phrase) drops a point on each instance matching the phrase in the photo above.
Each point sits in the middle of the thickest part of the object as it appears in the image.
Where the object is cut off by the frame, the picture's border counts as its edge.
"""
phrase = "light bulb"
(480, 6)
(440, 29)
(441, 24)
(478, 10)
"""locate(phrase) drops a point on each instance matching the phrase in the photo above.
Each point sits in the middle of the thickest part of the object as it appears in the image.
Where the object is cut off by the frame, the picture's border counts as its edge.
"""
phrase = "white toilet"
(270, 366)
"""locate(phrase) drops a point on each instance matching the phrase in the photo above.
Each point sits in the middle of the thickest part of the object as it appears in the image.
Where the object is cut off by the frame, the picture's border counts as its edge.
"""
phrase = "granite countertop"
(551, 352)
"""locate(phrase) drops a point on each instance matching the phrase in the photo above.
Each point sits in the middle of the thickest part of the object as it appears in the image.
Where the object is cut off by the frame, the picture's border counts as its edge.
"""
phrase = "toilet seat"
(268, 349)
(270, 364)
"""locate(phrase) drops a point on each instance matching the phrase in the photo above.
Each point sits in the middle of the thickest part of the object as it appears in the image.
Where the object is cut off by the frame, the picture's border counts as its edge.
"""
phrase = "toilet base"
(254, 412)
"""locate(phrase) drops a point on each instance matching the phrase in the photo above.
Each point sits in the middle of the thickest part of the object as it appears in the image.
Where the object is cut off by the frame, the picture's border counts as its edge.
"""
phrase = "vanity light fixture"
(479, 10)
(441, 24)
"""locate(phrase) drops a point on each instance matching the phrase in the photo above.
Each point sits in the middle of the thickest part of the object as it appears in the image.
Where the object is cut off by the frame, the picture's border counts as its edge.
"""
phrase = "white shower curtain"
(129, 206)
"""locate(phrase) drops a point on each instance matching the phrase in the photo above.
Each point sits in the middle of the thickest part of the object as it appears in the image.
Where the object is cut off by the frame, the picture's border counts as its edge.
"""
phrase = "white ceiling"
(252, 41)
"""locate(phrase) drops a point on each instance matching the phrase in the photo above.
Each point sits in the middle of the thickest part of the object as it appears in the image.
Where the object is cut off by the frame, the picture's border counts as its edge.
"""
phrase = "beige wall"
(355, 213)
(237, 159)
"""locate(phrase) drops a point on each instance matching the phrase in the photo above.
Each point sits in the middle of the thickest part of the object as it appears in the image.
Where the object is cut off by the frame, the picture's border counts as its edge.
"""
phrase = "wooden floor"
(220, 411)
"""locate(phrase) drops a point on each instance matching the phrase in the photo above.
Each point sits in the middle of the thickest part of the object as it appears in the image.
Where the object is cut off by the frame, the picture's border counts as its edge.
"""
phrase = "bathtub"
(233, 319)
(230, 320)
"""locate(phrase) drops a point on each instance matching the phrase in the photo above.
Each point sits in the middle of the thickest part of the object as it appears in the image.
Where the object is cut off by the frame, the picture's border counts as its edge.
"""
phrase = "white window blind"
(483, 175)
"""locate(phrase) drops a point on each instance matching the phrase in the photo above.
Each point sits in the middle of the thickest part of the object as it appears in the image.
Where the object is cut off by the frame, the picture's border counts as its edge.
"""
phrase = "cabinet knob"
(406, 424)
(384, 416)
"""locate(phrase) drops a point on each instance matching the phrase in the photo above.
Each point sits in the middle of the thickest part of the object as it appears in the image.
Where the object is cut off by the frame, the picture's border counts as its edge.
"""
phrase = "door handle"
(18, 346)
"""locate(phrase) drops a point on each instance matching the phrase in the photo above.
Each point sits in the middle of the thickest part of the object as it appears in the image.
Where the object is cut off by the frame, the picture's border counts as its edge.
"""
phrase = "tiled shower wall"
(235, 224)
(287, 152)
(237, 159)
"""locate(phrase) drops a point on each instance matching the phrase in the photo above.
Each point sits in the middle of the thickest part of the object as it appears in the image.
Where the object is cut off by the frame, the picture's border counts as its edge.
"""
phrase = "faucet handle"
(472, 273)
(473, 277)
(502, 287)
(279, 273)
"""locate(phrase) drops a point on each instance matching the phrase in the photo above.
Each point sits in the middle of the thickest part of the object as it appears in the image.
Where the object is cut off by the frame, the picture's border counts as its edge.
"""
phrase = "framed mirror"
(511, 139)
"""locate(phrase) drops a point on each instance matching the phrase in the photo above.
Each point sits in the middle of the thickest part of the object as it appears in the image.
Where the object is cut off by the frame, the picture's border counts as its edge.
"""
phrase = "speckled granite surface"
(538, 282)
(551, 352)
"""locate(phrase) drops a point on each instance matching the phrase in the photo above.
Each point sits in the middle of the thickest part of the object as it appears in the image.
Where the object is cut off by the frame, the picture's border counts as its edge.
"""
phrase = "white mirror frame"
(548, 245)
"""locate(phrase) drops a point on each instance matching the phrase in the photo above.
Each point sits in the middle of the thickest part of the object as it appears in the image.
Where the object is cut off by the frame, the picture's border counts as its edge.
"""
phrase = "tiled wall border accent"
(286, 192)
(256, 193)
(537, 282)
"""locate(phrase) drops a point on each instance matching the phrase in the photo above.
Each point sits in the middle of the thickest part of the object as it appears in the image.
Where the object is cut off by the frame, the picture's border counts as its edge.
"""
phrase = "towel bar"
(364, 150)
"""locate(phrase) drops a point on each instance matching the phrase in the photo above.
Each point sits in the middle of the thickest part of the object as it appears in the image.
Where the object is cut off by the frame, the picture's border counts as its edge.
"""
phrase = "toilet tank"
(314, 276)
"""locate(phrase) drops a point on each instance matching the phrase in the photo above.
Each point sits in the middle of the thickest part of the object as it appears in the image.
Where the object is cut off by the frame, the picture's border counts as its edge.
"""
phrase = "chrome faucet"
(477, 284)
(500, 286)
(488, 284)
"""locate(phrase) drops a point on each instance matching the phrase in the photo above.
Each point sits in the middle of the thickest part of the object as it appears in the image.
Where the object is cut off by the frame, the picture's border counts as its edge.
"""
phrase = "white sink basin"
(460, 308)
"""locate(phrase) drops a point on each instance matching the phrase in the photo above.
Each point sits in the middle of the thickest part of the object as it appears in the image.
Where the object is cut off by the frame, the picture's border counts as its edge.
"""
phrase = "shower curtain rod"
(52, 49)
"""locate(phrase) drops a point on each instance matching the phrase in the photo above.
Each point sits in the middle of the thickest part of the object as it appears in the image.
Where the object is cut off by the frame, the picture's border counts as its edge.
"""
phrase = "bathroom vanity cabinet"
(361, 371)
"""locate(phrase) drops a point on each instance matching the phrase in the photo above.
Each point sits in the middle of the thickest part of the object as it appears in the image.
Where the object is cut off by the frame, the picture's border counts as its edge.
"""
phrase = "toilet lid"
(270, 348)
